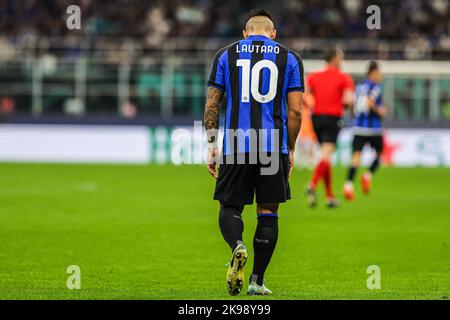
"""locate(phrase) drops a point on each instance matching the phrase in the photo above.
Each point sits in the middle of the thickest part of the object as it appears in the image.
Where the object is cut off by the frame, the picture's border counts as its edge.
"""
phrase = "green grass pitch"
(150, 232)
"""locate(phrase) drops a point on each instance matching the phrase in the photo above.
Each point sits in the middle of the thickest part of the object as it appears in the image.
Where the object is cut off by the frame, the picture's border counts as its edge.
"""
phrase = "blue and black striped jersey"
(367, 122)
(256, 73)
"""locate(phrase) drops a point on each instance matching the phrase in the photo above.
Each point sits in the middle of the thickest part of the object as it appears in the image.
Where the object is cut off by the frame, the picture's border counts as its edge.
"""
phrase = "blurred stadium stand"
(146, 62)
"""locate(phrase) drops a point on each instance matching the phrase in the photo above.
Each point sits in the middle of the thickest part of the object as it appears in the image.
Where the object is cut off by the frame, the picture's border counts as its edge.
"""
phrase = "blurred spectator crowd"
(147, 48)
(425, 24)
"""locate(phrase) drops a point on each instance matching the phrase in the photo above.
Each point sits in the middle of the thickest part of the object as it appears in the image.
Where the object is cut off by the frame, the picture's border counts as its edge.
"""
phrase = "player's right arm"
(216, 88)
(211, 120)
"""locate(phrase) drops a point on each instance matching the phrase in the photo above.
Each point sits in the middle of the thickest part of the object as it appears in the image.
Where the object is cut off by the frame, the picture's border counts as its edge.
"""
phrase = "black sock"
(351, 173)
(231, 225)
(264, 242)
(374, 165)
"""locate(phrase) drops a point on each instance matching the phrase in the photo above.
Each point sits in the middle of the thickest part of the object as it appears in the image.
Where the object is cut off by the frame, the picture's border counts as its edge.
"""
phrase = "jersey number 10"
(254, 85)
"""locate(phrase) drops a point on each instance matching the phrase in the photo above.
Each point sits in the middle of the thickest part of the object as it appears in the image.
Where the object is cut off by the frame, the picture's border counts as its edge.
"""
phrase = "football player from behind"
(368, 113)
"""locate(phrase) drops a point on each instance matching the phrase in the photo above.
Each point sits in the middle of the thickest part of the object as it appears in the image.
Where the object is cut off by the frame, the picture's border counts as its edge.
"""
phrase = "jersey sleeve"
(295, 75)
(217, 74)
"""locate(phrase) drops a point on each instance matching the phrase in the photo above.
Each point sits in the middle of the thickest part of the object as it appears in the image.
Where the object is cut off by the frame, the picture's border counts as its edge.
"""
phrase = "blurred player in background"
(307, 142)
(264, 85)
(328, 91)
(368, 113)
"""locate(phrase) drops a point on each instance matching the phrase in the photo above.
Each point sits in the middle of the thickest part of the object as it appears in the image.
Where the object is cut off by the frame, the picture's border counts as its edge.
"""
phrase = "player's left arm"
(294, 118)
(296, 88)
(382, 109)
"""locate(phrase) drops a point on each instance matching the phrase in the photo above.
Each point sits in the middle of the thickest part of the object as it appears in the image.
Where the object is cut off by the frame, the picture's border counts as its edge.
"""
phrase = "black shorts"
(376, 142)
(238, 183)
(327, 127)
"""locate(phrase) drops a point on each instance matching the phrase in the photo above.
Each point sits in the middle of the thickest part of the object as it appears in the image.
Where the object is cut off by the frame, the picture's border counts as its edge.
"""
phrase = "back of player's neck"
(258, 34)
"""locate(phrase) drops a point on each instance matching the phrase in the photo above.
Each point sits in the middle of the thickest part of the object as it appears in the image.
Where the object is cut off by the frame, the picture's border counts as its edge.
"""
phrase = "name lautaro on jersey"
(257, 48)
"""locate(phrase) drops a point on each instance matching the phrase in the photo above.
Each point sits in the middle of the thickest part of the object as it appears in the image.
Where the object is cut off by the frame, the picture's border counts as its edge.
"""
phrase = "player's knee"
(267, 209)
(229, 213)
(327, 151)
(326, 157)
(231, 207)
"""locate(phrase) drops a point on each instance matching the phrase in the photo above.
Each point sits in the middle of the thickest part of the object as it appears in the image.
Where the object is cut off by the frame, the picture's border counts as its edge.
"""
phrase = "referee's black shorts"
(359, 141)
(238, 183)
(327, 127)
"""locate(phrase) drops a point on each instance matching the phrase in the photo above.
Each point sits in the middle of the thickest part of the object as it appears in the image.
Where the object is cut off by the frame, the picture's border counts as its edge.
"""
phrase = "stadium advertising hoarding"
(186, 145)
(74, 144)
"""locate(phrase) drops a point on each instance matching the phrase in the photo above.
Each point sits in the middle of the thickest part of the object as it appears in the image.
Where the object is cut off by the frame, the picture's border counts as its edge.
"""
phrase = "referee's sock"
(231, 225)
(318, 173)
(264, 242)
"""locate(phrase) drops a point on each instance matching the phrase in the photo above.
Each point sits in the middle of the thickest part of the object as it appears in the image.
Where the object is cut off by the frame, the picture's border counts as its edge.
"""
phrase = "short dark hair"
(332, 53)
(258, 12)
(373, 66)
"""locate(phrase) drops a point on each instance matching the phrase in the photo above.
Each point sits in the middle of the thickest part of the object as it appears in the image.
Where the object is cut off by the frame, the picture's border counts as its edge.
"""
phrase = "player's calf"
(231, 224)
(264, 241)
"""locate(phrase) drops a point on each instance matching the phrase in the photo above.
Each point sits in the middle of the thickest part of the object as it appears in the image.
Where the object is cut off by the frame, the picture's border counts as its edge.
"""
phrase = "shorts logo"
(262, 240)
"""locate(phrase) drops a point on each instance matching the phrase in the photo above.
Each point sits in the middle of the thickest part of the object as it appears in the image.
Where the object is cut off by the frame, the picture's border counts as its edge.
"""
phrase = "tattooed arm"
(212, 114)
(211, 119)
